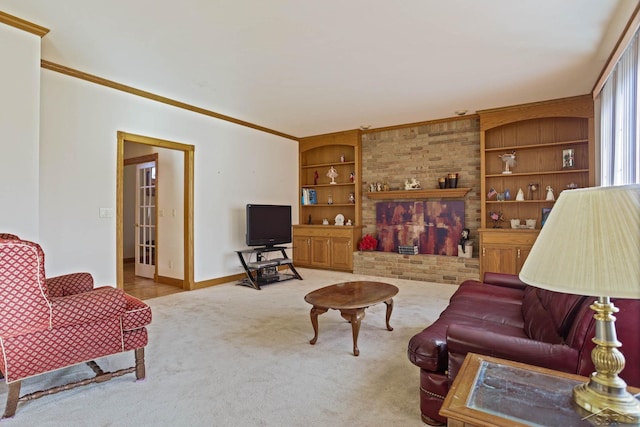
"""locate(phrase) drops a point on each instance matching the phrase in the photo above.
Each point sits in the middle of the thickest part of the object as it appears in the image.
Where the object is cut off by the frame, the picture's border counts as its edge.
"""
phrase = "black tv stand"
(263, 270)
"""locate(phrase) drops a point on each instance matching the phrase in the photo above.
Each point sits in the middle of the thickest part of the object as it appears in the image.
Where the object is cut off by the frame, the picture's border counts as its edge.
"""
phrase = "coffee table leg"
(389, 304)
(355, 318)
(314, 322)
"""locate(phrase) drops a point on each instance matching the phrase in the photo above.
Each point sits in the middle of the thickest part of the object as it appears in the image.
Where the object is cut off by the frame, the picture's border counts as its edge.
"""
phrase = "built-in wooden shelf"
(434, 193)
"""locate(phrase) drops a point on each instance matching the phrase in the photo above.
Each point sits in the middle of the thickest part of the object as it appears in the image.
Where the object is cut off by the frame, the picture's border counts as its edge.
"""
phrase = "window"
(619, 121)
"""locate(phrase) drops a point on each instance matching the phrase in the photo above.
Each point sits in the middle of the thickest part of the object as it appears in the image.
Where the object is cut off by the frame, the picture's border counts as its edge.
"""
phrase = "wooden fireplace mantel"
(435, 193)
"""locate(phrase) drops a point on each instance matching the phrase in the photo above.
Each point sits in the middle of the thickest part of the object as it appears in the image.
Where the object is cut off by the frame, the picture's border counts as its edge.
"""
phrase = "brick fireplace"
(426, 152)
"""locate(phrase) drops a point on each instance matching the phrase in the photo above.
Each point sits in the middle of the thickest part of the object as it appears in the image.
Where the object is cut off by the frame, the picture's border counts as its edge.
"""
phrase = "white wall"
(234, 165)
(19, 125)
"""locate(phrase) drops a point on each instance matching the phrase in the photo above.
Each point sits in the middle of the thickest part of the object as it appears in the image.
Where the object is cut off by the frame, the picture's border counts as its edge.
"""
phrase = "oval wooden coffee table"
(351, 298)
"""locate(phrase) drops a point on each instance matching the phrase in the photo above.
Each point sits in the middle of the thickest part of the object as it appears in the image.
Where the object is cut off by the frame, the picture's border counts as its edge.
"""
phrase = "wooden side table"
(494, 392)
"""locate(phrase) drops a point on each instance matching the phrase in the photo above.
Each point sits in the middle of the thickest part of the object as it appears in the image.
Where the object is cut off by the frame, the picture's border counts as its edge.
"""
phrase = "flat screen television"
(268, 225)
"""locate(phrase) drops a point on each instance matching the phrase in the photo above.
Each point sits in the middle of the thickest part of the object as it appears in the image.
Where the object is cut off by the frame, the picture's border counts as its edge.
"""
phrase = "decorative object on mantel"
(414, 184)
(509, 160)
(385, 186)
(452, 180)
(497, 219)
(442, 182)
(333, 173)
(368, 243)
(520, 195)
(550, 195)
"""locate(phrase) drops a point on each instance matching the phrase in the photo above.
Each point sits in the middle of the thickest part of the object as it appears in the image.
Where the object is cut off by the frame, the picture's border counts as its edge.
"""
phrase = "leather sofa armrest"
(504, 280)
(464, 339)
(69, 284)
(101, 303)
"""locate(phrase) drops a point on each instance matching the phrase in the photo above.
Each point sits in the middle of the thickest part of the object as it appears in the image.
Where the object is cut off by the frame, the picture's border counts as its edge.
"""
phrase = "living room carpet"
(234, 356)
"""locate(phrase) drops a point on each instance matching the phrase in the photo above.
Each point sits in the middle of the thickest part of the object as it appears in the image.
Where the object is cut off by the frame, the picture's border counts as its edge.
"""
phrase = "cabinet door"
(301, 250)
(342, 253)
(521, 256)
(320, 255)
(498, 259)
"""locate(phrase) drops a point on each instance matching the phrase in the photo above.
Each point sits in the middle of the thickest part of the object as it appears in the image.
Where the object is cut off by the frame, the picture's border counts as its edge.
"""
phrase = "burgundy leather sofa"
(505, 318)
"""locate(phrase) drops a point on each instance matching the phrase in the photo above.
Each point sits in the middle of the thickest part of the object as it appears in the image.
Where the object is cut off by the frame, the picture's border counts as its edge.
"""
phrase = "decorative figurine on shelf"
(464, 238)
(550, 195)
(507, 194)
(325, 221)
(352, 176)
(414, 184)
(341, 158)
(330, 199)
(497, 218)
(385, 186)
(520, 195)
(315, 178)
(372, 187)
(532, 190)
(339, 219)
(492, 192)
(352, 198)
(348, 222)
(333, 173)
(378, 186)
(509, 161)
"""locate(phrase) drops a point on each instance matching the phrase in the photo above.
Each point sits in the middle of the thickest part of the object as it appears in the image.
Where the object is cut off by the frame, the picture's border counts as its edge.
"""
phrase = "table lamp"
(590, 245)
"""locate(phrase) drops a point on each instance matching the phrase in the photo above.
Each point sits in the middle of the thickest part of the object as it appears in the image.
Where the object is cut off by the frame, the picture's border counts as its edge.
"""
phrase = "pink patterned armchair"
(49, 324)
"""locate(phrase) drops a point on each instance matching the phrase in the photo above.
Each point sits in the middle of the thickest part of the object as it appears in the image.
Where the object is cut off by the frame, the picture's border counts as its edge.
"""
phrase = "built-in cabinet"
(505, 251)
(553, 143)
(323, 199)
(329, 247)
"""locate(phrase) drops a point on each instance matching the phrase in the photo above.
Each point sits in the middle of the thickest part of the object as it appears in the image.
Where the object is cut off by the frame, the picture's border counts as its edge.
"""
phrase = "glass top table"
(495, 392)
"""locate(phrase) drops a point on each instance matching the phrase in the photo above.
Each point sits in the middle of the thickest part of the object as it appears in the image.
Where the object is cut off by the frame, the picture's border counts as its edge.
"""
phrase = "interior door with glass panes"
(145, 220)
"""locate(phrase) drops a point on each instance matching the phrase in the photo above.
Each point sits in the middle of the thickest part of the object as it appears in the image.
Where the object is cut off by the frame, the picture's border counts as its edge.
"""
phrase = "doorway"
(147, 241)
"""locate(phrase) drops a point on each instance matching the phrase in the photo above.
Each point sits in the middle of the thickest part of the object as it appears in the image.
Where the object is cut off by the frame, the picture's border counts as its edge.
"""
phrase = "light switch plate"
(106, 213)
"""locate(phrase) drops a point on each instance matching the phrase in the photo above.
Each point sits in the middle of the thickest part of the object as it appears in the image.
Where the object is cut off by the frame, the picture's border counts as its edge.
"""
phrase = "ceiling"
(312, 67)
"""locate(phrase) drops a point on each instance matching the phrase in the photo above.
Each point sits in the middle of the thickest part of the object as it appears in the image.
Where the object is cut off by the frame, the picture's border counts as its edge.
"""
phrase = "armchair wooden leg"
(12, 399)
(140, 371)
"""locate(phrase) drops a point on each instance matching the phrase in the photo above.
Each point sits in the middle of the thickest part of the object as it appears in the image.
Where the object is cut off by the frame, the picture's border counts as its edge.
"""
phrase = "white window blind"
(619, 121)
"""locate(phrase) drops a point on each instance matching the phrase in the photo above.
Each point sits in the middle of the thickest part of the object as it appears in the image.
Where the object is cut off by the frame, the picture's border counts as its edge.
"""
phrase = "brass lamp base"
(605, 395)
(616, 409)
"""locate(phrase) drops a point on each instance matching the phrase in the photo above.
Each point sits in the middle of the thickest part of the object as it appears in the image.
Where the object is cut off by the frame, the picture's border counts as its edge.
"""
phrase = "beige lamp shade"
(590, 244)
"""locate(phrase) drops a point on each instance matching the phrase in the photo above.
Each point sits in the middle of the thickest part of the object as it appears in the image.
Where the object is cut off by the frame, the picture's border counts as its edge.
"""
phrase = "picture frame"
(545, 215)
(568, 158)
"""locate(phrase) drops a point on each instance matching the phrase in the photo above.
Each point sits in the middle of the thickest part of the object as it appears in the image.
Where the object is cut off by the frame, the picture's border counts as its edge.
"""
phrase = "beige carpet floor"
(234, 356)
